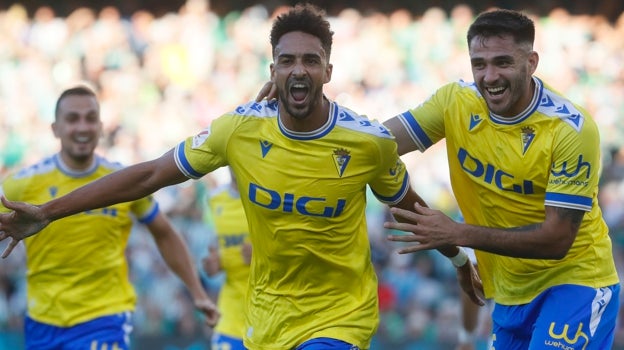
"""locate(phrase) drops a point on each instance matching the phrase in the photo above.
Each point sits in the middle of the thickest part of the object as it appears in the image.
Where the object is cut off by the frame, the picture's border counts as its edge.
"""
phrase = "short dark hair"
(502, 22)
(305, 18)
(80, 90)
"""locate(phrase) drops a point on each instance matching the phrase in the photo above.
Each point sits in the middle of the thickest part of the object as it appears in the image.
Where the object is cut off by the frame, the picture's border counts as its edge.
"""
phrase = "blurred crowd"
(163, 78)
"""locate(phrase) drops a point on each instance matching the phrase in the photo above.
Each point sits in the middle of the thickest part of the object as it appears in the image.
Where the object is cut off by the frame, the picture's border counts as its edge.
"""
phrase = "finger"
(422, 210)
(9, 248)
(413, 249)
(404, 238)
(264, 92)
(273, 92)
(402, 226)
(405, 215)
(9, 204)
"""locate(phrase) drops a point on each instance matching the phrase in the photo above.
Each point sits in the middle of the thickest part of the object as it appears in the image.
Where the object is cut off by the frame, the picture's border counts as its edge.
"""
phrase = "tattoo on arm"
(574, 216)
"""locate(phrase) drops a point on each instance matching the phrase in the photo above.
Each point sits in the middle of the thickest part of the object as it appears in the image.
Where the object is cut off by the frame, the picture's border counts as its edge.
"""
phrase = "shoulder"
(42, 167)
(263, 109)
(348, 119)
(554, 105)
(107, 164)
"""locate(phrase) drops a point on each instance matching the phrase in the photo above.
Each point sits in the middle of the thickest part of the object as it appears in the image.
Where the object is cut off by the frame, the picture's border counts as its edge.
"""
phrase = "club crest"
(341, 159)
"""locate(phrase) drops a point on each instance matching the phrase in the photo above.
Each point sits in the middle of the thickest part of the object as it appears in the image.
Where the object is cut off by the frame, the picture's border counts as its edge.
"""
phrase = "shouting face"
(299, 71)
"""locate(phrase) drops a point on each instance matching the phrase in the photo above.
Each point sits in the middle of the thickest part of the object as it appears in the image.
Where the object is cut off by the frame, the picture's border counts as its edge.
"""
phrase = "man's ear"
(54, 126)
(328, 72)
(533, 61)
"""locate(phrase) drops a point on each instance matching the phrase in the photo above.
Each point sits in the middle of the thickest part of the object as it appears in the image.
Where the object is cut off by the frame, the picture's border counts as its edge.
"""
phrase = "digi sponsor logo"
(489, 174)
(295, 203)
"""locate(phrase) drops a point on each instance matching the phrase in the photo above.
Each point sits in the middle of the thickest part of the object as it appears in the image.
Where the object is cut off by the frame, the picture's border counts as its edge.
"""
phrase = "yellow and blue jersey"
(76, 267)
(304, 195)
(230, 225)
(504, 171)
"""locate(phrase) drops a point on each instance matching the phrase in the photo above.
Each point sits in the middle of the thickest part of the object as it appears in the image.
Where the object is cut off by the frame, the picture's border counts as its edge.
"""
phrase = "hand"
(209, 309)
(211, 263)
(470, 283)
(24, 221)
(431, 229)
(268, 90)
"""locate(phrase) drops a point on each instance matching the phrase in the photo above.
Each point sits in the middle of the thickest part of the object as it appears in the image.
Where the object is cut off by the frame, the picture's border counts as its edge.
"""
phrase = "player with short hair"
(524, 164)
(302, 165)
(78, 291)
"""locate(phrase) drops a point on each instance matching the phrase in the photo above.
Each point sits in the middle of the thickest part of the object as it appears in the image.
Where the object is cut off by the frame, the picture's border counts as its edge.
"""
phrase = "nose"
(490, 74)
(299, 69)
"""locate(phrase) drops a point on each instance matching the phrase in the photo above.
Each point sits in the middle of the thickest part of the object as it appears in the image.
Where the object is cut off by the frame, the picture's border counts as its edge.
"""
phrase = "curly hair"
(305, 18)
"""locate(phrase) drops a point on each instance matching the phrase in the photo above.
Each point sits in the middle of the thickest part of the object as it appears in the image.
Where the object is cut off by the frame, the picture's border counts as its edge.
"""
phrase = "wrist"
(460, 259)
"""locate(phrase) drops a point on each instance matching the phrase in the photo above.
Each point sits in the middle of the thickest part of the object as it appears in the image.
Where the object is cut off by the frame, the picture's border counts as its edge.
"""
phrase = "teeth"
(299, 86)
(83, 139)
(495, 90)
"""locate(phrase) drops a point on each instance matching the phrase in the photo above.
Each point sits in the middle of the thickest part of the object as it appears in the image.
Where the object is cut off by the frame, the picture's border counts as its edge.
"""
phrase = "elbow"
(558, 249)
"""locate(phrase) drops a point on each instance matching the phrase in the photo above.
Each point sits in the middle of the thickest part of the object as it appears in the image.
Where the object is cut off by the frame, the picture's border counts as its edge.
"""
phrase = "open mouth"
(299, 91)
(495, 91)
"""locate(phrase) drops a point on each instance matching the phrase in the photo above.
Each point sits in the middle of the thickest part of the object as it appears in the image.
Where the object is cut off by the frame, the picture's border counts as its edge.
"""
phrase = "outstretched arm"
(175, 252)
(125, 185)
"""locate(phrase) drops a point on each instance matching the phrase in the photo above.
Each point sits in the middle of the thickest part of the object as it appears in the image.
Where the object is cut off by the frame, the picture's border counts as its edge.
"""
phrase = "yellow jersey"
(230, 225)
(304, 195)
(504, 171)
(76, 267)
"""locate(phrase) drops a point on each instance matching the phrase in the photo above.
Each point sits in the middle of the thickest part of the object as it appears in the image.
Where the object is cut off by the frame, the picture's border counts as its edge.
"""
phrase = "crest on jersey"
(528, 134)
(341, 159)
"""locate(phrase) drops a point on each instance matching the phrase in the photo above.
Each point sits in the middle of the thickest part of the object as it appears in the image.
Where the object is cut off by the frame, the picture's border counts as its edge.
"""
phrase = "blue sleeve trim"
(398, 196)
(184, 164)
(568, 201)
(151, 215)
(415, 131)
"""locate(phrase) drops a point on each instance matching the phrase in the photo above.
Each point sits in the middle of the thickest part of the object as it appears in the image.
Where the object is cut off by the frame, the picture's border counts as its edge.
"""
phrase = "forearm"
(121, 186)
(529, 242)
(125, 185)
(178, 258)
